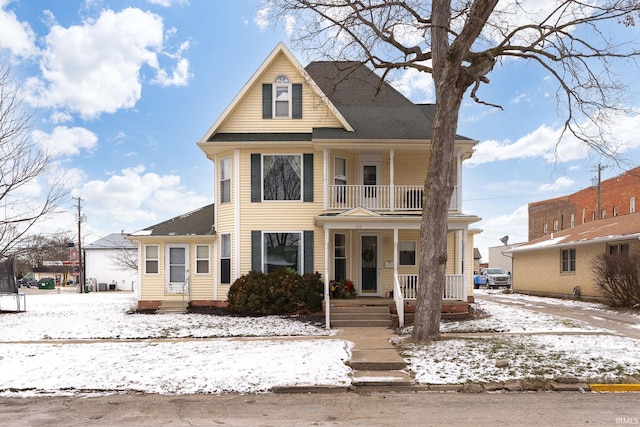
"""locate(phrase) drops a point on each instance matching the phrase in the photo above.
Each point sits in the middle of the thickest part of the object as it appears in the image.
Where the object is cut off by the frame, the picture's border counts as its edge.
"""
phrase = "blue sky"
(123, 90)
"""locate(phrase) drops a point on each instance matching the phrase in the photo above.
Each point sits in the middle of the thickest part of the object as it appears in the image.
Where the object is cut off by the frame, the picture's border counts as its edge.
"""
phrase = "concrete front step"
(384, 359)
(381, 379)
(173, 307)
(378, 309)
(361, 323)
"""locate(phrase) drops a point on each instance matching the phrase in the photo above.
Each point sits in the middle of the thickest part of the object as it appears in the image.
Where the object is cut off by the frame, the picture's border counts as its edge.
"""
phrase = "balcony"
(380, 197)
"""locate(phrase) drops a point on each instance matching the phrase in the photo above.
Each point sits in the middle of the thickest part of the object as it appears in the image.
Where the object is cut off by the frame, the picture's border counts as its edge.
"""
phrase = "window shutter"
(256, 178)
(267, 99)
(296, 112)
(256, 250)
(308, 252)
(308, 177)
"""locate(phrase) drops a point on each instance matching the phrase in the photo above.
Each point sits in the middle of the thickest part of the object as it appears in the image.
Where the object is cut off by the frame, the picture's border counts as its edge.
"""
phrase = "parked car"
(496, 277)
(27, 282)
(478, 280)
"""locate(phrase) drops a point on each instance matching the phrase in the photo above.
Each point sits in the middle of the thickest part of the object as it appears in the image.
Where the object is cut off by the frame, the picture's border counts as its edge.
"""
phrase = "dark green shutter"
(267, 101)
(307, 162)
(256, 178)
(296, 112)
(308, 252)
(256, 250)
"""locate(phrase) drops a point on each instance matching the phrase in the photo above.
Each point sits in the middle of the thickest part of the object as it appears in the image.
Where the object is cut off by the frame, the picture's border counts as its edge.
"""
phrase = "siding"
(247, 117)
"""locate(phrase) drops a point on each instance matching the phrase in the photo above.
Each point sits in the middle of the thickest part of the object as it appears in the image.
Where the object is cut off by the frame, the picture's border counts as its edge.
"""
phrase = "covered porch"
(379, 254)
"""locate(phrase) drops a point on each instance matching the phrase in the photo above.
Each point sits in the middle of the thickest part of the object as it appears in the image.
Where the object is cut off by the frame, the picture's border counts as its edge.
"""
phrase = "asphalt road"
(339, 409)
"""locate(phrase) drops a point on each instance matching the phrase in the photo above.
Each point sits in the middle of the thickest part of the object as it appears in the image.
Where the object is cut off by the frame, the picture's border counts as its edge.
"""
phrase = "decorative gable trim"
(280, 49)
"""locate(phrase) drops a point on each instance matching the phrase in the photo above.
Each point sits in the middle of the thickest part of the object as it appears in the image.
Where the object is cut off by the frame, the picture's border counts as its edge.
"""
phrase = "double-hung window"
(282, 177)
(568, 262)
(202, 259)
(225, 180)
(151, 259)
(225, 258)
(407, 253)
(340, 256)
(282, 250)
(282, 99)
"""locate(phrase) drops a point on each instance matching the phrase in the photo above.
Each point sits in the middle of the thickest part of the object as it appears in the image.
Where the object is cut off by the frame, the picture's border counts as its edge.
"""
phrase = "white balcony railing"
(454, 287)
(381, 197)
(405, 287)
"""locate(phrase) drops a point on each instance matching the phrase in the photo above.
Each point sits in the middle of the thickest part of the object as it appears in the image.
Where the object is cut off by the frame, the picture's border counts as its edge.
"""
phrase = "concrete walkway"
(376, 362)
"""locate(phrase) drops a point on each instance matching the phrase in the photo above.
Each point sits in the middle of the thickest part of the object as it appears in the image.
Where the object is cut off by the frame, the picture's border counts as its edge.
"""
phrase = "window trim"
(568, 263)
(147, 259)
(282, 81)
(632, 205)
(621, 248)
(224, 179)
(336, 257)
(300, 177)
(225, 257)
(300, 233)
(415, 253)
(207, 259)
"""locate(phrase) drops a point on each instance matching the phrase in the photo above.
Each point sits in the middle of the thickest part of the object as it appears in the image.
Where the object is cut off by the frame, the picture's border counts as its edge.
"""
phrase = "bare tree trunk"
(439, 183)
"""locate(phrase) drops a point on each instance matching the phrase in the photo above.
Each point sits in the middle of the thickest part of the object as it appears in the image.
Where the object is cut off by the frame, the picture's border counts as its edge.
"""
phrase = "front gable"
(246, 113)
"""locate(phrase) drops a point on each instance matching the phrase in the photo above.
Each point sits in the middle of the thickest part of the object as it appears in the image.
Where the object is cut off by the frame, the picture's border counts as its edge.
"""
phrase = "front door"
(177, 272)
(369, 255)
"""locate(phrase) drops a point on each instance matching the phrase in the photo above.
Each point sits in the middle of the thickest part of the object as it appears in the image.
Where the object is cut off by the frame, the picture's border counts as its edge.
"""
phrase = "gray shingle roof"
(374, 108)
(112, 241)
(195, 223)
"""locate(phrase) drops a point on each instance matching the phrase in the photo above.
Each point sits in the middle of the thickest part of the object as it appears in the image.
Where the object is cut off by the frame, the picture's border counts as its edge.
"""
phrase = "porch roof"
(361, 217)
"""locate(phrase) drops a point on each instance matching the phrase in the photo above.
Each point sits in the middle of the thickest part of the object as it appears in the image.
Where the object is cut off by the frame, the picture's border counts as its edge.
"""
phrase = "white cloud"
(559, 183)
(262, 18)
(415, 85)
(66, 141)
(620, 136)
(95, 67)
(135, 198)
(168, 3)
(16, 36)
(60, 117)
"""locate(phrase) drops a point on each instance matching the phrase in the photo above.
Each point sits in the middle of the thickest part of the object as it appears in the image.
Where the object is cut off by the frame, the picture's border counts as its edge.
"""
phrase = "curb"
(615, 388)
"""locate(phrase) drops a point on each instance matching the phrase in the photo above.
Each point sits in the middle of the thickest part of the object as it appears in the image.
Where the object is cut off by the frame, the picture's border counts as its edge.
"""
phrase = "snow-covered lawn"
(89, 343)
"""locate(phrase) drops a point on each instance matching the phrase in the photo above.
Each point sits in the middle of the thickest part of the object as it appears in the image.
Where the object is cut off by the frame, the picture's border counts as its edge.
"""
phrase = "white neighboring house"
(103, 268)
(500, 258)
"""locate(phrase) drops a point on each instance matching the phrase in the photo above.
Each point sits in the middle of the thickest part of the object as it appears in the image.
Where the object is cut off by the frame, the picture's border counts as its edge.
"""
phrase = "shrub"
(618, 278)
(280, 292)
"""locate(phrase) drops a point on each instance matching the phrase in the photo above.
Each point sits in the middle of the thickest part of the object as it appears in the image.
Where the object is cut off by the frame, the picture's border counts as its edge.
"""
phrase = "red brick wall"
(614, 192)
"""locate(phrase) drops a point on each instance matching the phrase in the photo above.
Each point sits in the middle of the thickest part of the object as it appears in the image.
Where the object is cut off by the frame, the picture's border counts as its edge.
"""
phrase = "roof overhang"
(557, 243)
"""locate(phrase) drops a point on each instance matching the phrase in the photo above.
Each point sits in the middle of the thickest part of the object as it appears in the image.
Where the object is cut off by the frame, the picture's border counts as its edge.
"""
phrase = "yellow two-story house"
(319, 169)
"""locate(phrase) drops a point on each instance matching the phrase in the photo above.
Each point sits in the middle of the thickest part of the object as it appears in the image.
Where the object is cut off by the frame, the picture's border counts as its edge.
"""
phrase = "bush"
(618, 278)
(280, 292)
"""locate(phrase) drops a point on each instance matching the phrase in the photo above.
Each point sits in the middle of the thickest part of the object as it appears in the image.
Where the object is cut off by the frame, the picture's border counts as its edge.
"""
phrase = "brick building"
(618, 196)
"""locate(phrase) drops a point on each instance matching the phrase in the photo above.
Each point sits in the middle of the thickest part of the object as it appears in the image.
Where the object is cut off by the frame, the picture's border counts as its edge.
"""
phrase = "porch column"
(392, 191)
(325, 179)
(465, 233)
(236, 213)
(395, 257)
(459, 181)
(327, 301)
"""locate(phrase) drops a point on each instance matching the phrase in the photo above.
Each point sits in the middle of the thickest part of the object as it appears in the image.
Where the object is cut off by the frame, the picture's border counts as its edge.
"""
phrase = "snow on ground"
(72, 344)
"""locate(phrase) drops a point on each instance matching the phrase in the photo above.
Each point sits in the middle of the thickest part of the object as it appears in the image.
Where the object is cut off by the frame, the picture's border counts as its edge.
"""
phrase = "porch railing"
(381, 197)
(405, 288)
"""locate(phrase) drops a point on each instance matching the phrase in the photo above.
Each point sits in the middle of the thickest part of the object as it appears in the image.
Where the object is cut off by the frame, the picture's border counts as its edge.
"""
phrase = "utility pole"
(600, 167)
(80, 273)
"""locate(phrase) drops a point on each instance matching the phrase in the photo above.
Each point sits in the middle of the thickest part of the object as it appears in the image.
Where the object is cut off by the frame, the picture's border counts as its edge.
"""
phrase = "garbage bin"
(47, 283)
(112, 286)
